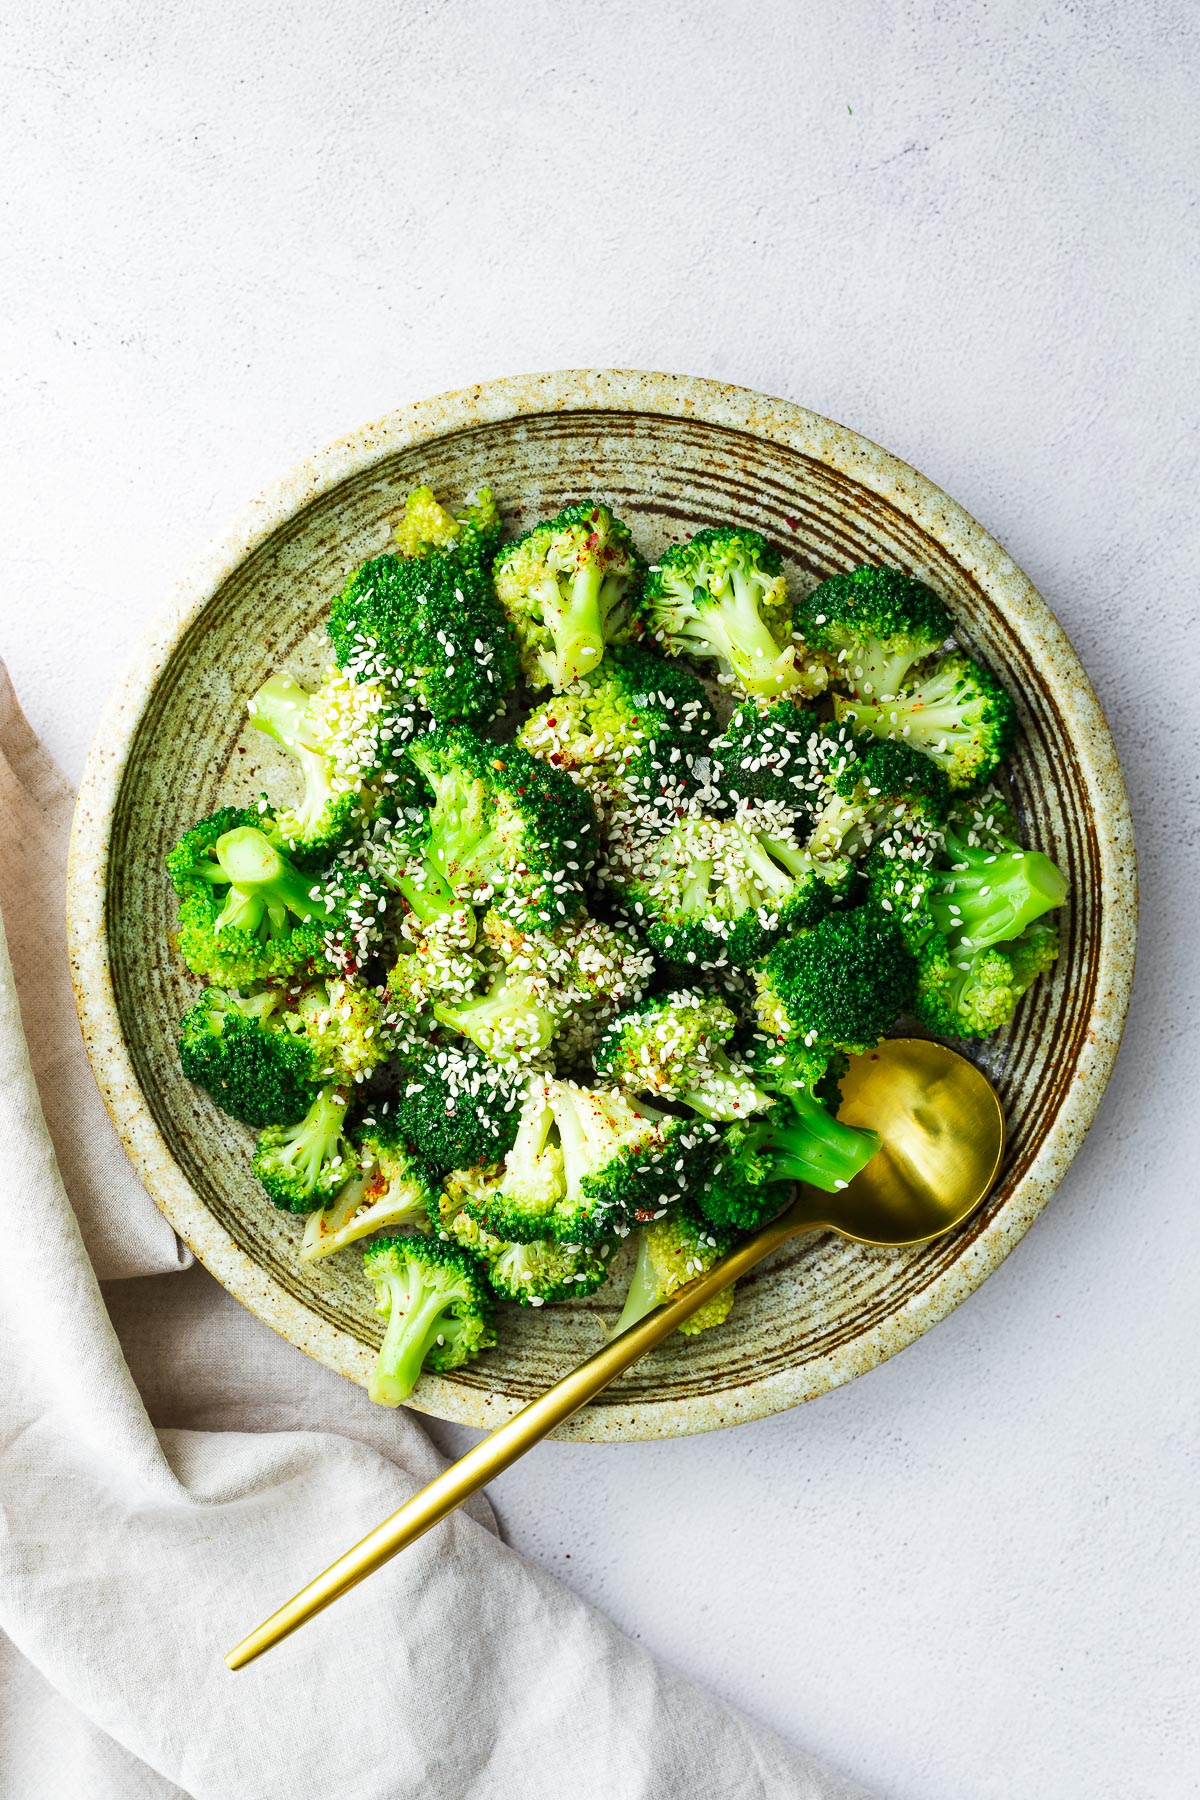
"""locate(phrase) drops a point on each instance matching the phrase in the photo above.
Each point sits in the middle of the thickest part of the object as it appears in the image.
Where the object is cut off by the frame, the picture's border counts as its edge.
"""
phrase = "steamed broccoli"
(672, 1047)
(535, 982)
(886, 794)
(838, 984)
(956, 713)
(439, 1312)
(345, 736)
(456, 1108)
(504, 829)
(427, 529)
(723, 596)
(537, 1273)
(390, 1187)
(302, 1166)
(972, 993)
(238, 1050)
(630, 734)
(993, 887)
(766, 753)
(429, 629)
(873, 625)
(586, 1163)
(671, 1252)
(340, 1020)
(716, 891)
(247, 914)
(567, 587)
(800, 1139)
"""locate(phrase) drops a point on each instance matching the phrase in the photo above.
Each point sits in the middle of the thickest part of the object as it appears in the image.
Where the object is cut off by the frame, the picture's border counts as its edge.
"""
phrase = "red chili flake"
(793, 524)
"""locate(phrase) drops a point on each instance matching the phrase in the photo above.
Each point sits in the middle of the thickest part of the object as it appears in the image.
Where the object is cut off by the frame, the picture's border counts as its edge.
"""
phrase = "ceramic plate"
(670, 454)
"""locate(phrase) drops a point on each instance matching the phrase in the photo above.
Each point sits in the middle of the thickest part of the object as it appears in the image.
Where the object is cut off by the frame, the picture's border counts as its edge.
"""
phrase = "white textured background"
(231, 232)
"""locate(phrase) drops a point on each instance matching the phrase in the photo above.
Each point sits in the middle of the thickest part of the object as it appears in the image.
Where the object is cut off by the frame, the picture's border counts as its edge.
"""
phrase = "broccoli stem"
(280, 710)
(409, 1338)
(806, 1143)
(740, 634)
(989, 902)
(264, 886)
(645, 1289)
(576, 627)
(429, 894)
(507, 1020)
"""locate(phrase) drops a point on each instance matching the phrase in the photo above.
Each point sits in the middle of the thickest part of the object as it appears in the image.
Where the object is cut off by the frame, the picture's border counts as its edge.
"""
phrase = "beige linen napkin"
(157, 1503)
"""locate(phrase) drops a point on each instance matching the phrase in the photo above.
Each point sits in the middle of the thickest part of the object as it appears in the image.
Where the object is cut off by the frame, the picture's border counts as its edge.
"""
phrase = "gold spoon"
(943, 1137)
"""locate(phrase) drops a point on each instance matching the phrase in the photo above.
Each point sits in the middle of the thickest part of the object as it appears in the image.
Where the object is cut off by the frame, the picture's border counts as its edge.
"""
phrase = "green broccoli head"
(630, 734)
(504, 829)
(671, 1046)
(568, 588)
(839, 984)
(434, 1295)
(346, 737)
(768, 752)
(538, 1273)
(956, 713)
(247, 914)
(671, 1252)
(532, 984)
(390, 1188)
(428, 628)
(882, 793)
(711, 892)
(456, 1107)
(586, 1164)
(722, 597)
(302, 1166)
(428, 529)
(341, 1022)
(239, 1052)
(873, 625)
(973, 993)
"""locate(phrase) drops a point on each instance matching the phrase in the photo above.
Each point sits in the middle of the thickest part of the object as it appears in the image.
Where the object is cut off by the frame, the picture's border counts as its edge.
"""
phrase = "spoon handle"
(509, 1441)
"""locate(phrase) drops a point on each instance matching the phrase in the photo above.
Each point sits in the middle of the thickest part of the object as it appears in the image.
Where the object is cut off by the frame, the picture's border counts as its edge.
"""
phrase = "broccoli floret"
(800, 1139)
(504, 829)
(390, 1187)
(723, 595)
(428, 628)
(538, 1273)
(533, 983)
(840, 983)
(767, 753)
(671, 1252)
(345, 736)
(992, 889)
(587, 1163)
(248, 916)
(341, 1021)
(303, 1166)
(873, 625)
(956, 713)
(567, 588)
(672, 1047)
(883, 794)
(238, 1050)
(439, 1312)
(716, 891)
(427, 529)
(630, 734)
(457, 1108)
(973, 993)
(435, 963)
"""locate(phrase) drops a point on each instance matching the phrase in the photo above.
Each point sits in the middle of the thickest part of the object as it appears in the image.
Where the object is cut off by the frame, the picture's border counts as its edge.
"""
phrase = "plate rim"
(580, 390)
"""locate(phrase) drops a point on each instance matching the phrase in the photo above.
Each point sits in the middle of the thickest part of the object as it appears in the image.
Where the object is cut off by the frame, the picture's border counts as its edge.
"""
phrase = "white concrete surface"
(233, 231)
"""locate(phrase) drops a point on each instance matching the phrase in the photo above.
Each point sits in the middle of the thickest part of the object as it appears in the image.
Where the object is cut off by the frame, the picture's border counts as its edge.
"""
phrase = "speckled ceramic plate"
(671, 454)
